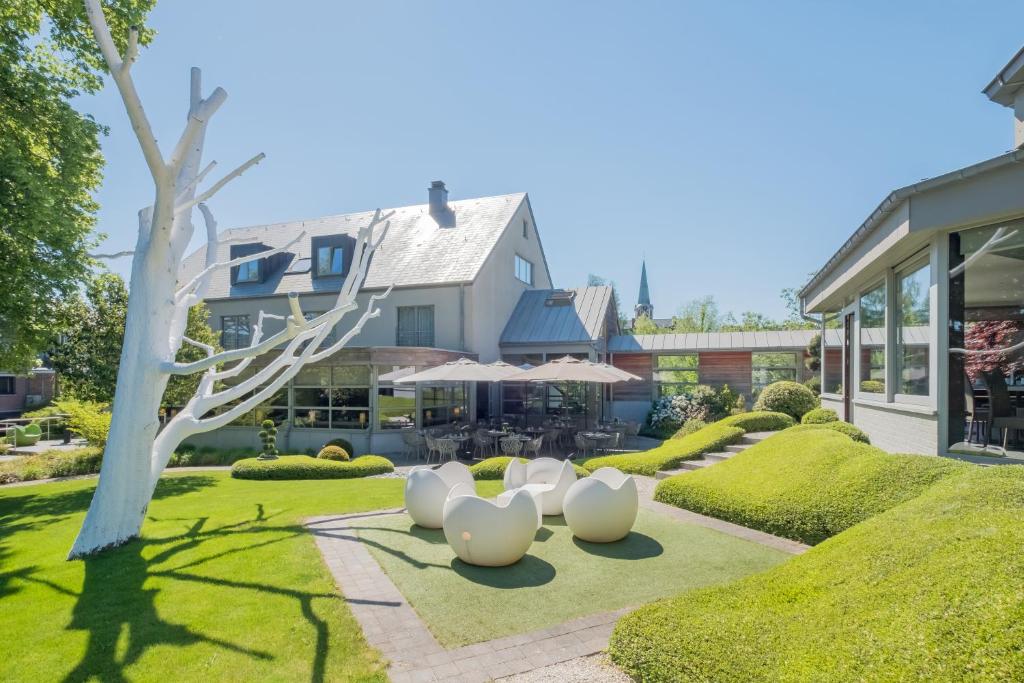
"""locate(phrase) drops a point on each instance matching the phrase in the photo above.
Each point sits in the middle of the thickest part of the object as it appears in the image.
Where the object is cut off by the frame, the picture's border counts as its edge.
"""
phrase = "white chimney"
(438, 194)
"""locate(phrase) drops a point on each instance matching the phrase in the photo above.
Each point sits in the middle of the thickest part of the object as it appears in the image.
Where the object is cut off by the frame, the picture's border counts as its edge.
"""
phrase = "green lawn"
(559, 579)
(224, 585)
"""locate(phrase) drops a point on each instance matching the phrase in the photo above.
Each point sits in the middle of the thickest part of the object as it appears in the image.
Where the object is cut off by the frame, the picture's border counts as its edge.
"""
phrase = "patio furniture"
(602, 508)
(414, 444)
(512, 445)
(1002, 415)
(489, 533)
(632, 433)
(27, 435)
(582, 446)
(533, 446)
(552, 435)
(483, 445)
(976, 415)
(447, 448)
(549, 477)
(426, 490)
(433, 447)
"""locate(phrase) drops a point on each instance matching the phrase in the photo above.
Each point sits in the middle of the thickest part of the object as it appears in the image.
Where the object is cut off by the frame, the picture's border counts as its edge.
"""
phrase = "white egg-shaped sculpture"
(547, 478)
(602, 508)
(426, 490)
(489, 533)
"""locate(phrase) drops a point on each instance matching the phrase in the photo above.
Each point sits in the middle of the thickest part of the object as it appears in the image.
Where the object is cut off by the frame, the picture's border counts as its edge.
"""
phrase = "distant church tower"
(643, 300)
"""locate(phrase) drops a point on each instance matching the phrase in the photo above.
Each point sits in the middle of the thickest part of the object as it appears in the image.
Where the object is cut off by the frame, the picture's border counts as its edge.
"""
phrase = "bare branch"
(198, 344)
(196, 281)
(132, 102)
(988, 352)
(370, 312)
(221, 183)
(112, 256)
(183, 192)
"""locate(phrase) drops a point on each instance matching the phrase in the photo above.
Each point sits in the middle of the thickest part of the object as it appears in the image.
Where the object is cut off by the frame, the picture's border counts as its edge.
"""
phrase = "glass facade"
(771, 367)
(912, 330)
(396, 403)
(872, 341)
(832, 358)
(443, 404)
(986, 340)
(676, 374)
(332, 397)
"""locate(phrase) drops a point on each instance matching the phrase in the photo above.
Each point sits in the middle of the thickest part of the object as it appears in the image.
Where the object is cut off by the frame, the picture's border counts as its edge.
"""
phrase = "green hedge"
(759, 421)
(806, 483)
(305, 467)
(190, 456)
(668, 455)
(819, 416)
(494, 468)
(852, 431)
(928, 591)
(49, 464)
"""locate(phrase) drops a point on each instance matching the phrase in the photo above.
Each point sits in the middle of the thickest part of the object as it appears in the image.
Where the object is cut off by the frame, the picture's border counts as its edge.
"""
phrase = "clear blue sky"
(736, 144)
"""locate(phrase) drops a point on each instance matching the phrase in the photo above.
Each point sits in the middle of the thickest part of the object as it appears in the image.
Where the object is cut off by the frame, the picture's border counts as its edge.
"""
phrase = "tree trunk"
(124, 490)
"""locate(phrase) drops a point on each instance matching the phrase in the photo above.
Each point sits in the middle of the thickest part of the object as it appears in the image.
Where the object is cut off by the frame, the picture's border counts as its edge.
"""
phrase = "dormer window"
(330, 261)
(248, 272)
(332, 255)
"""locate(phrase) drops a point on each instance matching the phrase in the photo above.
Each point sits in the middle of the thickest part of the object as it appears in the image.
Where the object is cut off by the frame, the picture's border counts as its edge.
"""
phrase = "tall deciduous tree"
(158, 305)
(49, 162)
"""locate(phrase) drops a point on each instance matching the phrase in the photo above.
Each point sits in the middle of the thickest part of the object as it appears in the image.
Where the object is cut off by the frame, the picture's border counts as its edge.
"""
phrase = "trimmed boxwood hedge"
(759, 421)
(494, 468)
(806, 483)
(668, 455)
(819, 416)
(306, 467)
(336, 453)
(928, 591)
(791, 398)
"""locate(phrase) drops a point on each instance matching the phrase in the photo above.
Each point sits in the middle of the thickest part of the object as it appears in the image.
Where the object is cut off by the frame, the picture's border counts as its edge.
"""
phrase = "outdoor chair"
(489, 533)
(612, 444)
(414, 444)
(27, 435)
(483, 445)
(976, 415)
(533, 446)
(632, 433)
(426, 490)
(582, 445)
(602, 508)
(547, 478)
(511, 445)
(447, 449)
(433, 447)
(552, 436)
(1002, 415)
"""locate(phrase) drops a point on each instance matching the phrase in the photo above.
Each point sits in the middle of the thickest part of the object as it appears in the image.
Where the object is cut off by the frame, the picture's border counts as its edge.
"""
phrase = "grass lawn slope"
(931, 590)
(806, 483)
(669, 454)
(224, 585)
(559, 579)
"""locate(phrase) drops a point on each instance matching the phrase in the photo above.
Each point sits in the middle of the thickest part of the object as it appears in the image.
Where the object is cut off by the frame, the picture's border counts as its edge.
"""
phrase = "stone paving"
(392, 626)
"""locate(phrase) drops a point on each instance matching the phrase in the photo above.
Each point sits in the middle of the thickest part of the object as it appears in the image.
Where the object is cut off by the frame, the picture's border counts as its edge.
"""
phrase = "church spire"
(643, 300)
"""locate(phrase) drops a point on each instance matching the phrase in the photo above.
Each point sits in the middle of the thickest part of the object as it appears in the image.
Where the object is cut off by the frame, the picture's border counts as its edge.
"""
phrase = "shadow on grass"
(526, 573)
(635, 546)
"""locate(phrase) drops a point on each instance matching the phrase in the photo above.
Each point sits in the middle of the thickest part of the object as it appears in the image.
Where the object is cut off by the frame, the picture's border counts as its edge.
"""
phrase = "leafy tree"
(644, 325)
(50, 161)
(698, 315)
(87, 353)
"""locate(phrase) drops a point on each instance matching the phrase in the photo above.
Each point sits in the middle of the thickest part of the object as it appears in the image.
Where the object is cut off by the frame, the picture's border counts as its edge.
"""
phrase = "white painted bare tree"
(137, 450)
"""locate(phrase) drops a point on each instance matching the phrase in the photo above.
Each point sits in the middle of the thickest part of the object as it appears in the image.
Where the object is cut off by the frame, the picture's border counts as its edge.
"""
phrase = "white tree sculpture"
(137, 450)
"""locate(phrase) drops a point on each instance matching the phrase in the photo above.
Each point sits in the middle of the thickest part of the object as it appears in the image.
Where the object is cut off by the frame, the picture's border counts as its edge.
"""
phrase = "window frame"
(12, 382)
(908, 267)
(419, 335)
(657, 367)
(329, 389)
(223, 330)
(755, 387)
(334, 252)
(519, 258)
(253, 268)
(883, 396)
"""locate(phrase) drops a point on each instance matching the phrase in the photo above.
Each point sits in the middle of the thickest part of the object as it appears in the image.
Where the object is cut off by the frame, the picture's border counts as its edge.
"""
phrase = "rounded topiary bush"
(814, 384)
(759, 421)
(341, 443)
(791, 398)
(852, 431)
(305, 467)
(819, 416)
(336, 453)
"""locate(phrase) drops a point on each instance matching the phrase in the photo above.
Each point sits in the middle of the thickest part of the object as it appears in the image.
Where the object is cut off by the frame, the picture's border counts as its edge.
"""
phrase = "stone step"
(718, 457)
(737, 447)
(751, 438)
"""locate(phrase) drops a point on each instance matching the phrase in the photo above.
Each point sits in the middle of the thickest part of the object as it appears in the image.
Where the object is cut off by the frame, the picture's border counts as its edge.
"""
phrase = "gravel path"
(590, 669)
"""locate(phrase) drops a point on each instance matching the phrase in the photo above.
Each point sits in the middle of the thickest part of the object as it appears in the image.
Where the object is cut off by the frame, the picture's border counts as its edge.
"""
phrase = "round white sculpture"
(602, 508)
(489, 533)
(427, 489)
(546, 478)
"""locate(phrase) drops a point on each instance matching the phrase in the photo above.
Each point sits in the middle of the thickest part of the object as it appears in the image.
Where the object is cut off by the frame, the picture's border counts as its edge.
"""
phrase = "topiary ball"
(333, 453)
(791, 398)
(819, 416)
(343, 443)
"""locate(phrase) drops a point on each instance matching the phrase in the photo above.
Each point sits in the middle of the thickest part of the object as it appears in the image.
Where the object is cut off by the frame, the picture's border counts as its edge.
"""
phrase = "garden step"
(737, 447)
(751, 438)
(718, 457)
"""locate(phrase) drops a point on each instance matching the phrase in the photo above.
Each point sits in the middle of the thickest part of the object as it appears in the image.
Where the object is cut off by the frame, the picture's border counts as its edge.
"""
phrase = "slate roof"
(534, 322)
(416, 251)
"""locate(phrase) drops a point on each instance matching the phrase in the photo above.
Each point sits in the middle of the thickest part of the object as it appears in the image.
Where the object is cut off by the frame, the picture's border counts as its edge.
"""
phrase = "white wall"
(896, 431)
(496, 291)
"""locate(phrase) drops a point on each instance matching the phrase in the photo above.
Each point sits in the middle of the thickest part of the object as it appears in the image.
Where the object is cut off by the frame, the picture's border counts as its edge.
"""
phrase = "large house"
(470, 280)
(928, 294)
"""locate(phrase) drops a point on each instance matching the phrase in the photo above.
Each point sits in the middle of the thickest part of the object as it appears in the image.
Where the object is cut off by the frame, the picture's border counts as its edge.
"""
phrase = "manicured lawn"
(225, 585)
(559, 579)
(806, 483)
(931, 590)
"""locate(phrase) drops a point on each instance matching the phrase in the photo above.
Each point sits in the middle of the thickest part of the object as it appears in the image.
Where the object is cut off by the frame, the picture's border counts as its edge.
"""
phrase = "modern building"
(928, 293)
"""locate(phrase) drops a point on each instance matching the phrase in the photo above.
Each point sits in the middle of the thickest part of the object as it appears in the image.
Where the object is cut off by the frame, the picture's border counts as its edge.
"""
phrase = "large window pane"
(912, 331)
(396, 403)
(986, 338)
(771, 367)
(872, 341)
(832, 359)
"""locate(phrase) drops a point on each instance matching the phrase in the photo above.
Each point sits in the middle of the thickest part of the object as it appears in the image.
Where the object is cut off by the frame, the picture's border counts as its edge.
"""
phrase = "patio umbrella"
(569, 369)
(461, 370)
